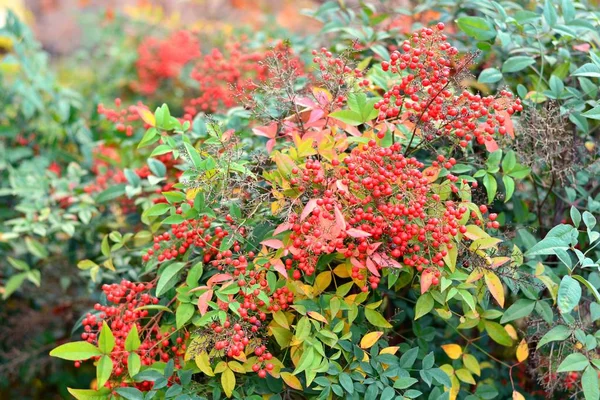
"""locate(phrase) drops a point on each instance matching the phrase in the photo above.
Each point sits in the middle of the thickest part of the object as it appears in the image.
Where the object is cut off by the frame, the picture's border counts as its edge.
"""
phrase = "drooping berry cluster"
(124, 311)
(221, 75)
(162, 59)
(336, 75)
(429, 94)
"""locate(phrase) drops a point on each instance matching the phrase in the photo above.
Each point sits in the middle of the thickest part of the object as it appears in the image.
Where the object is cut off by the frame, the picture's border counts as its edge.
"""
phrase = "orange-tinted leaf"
(370, 339)
(146, 116)
(453, 351)
(495, 286)
(203, 300)
(522, 351)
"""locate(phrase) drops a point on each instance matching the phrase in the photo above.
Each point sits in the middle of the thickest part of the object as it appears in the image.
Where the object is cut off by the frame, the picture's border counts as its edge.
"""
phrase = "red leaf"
(372, 267)
(282, 228)
(310, 206)
(357, 233)
(218, 278)
(203, 301)
(272, 243)
(278, 266)
(339, 218)
(491, 145)
(269, 131)
(356, 263)
(426, 280)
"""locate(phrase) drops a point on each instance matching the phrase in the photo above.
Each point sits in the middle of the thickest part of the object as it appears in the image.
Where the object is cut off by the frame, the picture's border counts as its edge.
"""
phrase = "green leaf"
(556, 334)
(87, 394)
(164, 280)
(130, 393)
(346, 383)
(134, 364)
(111, 193)
(588, 285)
(521, 308)
(347, 116)
(106, 341)
(550, 14)
(76, 351)
(509, 187)
(498, 333)
(569, 294)
(18, 264)
(594, 113)
(36, 248)
(132, 341)
(490, 75)
(184, 312)
(376, 319)
(13, 284)
(408, 359)
(589, 220)
(194, 275)
(573, 362)
(305, 360)
(477, 27)
(491, 186)
(590, 384)
(509, 162)
(575, 216)
(424, 304)
(546, 246)
(157, 209)
(150, 136)
(517, 63)
(103, 370)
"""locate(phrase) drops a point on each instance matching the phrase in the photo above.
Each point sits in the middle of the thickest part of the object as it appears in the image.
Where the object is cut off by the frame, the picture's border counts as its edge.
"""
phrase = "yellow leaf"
(228, 382)
(455, 387)
(517, 396)
(498, 261)
(453, 351)
(341, 271)
(495, 286)
(465, 376)
(370, 339)
(522, 351)
(450, 257)
(512, 332)
(475, 275)
(322, 281)
(389, 350)
(236, 367)
(281, 319)
(203, 363)
(472, 364)
(315, 315)
(221, 366)
(484, 243)
(474, 232)
(291, 380)
(191, 194)
(147, 116)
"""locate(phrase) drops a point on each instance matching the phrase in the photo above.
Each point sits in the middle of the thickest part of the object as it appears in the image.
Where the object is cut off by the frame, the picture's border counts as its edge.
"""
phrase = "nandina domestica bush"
(364, 220)
(277, 272)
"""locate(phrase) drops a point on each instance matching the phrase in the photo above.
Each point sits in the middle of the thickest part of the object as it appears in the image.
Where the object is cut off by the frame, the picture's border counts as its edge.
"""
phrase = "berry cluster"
(428, 94)
(336, 74)
(162, 59)
(221, 76)
(123, 313)
(379, 209)
(123, 117)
